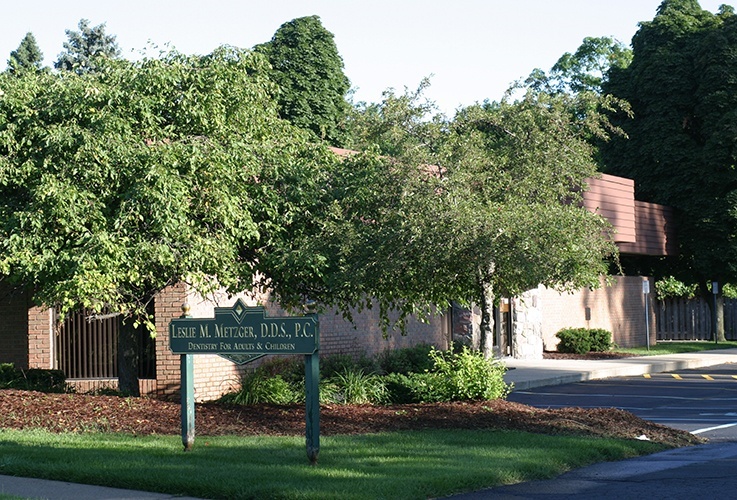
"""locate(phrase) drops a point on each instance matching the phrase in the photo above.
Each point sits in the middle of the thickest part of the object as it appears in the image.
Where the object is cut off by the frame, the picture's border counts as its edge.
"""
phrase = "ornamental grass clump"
(261, 387)
(354, 386)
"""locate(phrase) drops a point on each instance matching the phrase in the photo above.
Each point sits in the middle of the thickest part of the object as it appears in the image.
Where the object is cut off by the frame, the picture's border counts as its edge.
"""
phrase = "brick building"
(31, 337)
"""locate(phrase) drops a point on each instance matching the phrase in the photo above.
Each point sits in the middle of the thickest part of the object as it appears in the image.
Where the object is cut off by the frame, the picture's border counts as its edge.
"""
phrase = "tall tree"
(27, 56)
(115, 184)
(511, 168)
(309, 71)
(85, 47)
(582, 74)
(681, 146)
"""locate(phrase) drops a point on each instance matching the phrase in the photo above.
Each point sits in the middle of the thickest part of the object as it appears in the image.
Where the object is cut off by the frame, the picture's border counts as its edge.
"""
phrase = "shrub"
(290, 368)
(601, 340)
(35, 379)
(402, 388)
(467, 375)
(574, 340)
(455, 376)
(583, 340)
(332, 365)
(7, 375)
(407, 360)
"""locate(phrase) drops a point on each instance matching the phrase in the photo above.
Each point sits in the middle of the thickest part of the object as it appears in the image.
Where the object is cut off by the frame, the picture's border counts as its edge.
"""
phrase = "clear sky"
(473, 48)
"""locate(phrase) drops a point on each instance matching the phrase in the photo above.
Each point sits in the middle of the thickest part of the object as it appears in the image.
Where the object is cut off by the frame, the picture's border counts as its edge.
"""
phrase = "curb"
(616, 368)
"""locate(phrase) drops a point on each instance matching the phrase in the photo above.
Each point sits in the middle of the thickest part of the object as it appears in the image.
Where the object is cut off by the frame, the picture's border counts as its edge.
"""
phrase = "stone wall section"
(527, 326)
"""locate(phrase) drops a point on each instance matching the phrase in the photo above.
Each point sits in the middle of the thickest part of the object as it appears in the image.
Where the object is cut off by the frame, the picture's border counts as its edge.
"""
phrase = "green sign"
(242, 334)
(244, 330)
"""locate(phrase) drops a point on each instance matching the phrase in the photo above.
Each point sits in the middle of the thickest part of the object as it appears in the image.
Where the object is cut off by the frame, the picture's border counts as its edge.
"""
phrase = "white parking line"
(707, 429)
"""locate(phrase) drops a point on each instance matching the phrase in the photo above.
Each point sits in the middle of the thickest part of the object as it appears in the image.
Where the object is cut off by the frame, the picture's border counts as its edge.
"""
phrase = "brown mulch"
(588, 355)
(144, 416)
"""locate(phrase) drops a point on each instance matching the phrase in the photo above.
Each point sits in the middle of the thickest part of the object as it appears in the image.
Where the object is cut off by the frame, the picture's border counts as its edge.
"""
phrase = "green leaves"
(309, 71)
(117, 183)
(680, 151)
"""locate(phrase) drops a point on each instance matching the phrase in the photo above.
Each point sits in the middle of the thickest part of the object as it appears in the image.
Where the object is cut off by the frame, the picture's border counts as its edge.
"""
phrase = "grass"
(406, 465)
(676, 347)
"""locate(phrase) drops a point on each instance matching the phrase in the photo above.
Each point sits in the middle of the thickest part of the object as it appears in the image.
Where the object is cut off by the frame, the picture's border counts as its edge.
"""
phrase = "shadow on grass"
(418, 464)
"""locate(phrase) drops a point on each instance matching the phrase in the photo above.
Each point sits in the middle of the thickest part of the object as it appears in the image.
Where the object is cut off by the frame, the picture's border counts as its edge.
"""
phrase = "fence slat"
(88, 349)
(690, 319)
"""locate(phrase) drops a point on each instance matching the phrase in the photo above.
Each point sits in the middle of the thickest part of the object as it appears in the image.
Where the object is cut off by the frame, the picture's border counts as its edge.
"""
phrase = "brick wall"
(365, 336)
(167, 306)
(214, 375)
(27, 336)
(619, 308)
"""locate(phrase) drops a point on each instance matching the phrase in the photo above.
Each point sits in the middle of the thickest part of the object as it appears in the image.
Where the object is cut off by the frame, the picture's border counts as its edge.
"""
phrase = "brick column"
(167, 306)
(40, 333)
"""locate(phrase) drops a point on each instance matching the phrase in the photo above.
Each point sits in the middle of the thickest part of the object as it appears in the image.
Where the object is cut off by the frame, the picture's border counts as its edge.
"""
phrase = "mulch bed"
(144, 416)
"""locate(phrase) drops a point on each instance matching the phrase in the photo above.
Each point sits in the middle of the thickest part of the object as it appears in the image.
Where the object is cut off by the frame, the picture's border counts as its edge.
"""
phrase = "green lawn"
(418, 464)
(675, 347)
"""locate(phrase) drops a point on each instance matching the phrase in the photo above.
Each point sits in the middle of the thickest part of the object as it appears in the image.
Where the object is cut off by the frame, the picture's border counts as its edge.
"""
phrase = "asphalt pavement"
(706, 471)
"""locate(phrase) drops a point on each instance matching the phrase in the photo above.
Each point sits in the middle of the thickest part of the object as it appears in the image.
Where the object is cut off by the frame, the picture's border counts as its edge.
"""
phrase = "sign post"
(187, 374)
(715, 316)
(186, 367)
(246, 333)
(646, 293)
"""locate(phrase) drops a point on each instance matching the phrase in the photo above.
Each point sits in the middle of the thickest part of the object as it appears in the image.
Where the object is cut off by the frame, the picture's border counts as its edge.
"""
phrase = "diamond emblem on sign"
(239, 310)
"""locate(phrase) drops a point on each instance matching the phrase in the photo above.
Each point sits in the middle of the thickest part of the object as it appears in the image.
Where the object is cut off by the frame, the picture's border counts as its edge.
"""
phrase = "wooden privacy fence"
(690, 319)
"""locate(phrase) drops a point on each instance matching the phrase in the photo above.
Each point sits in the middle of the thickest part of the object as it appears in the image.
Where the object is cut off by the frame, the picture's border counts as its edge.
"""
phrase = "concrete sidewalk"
(527, 374)
(42, 489)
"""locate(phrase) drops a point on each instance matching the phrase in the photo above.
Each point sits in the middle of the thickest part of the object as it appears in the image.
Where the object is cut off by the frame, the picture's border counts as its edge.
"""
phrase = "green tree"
(681, 146)
(309, 71)
(511, 169)
(490, 218)
(582, 75)
(27, 56)
(115, 184)
(586, 69)
(85, 47)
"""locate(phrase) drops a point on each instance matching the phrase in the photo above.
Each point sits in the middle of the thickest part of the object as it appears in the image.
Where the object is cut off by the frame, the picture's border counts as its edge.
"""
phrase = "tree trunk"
(128, 358)
(486, 337)
(720, 317)
(716, 308)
